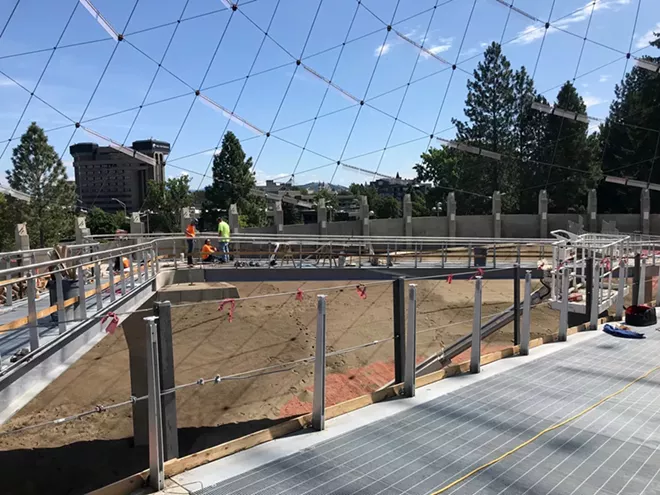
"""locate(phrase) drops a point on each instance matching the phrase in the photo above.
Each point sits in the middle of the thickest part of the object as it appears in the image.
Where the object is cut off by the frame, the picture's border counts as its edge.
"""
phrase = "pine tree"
(490, 108)
(39, 172)
(233, 181)
(566, 146)
(631, 151)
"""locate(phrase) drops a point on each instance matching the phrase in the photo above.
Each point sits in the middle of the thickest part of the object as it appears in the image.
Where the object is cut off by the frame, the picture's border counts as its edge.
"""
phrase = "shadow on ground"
(84, 466)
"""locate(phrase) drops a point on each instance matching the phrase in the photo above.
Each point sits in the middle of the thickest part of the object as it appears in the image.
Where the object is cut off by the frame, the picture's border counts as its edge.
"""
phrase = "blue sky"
(73, 73)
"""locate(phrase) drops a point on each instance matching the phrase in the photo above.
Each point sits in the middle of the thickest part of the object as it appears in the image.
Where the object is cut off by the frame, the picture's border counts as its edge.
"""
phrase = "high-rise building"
(113, 176)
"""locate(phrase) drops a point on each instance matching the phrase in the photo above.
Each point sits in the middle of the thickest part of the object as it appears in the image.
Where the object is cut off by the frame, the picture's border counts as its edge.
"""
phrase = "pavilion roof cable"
(11, 15)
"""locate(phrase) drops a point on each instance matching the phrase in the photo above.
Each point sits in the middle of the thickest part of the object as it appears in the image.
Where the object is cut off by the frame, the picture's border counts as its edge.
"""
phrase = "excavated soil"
(91, 452)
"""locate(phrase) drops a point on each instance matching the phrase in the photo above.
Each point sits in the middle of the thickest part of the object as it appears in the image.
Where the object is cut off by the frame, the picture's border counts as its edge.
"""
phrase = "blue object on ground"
(624, 334)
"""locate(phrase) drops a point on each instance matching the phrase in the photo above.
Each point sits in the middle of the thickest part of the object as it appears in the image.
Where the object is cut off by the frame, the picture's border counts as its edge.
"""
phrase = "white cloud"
(484, 44)
(585, 85)
(382, 49)
(604, 78)
(534, 32)
(590, 100)
(6, 83)
(644, 40)
(470, 52)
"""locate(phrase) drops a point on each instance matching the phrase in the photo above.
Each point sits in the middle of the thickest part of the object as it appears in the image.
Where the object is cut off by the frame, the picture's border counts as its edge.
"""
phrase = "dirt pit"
(97, 450)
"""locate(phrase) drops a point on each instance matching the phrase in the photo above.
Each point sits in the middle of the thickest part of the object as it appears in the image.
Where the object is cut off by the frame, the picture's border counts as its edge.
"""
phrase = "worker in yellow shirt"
(191, 231)
(224, 234)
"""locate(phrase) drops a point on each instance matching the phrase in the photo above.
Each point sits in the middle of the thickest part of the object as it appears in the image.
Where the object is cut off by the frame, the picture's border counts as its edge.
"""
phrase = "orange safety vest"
(190, 231)
(206, 249)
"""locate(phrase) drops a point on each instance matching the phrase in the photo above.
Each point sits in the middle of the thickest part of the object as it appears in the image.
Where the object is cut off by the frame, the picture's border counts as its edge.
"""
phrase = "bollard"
(97, 286)
(318, 407)
(563, 312)
(596, 297)
(61, 314)
(156, 454)
(641, 295)
(82, 300)
(475, 354)
(527, 316)
(32, 313)
(411, 343)
(623, 272)
(131, 273)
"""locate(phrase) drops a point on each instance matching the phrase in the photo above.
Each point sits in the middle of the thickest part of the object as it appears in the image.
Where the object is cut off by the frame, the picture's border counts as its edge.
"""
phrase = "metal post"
(636, 282)
(82, 301)
(399, 320)
(563, 312)
(156, 262)
(131, 273)
(32, 313)
(318, 407)
(388, 255)
(145, 260)
(518, 254)
(641, 297)
(174, 252)
(411, 343)
(623, 271)
(122, 275)
(469, 254)
(97, 286)
(516, 304)
(59, 291)
(111, 274)
(589, 282)
(475, 354)
(415, 255)
(494, 255)
(595, 298)
(527, 316)
(300, 258)
(156, 454)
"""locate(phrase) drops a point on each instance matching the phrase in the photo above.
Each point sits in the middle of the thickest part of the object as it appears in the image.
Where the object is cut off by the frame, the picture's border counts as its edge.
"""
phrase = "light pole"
(437, 208)
(121, 203)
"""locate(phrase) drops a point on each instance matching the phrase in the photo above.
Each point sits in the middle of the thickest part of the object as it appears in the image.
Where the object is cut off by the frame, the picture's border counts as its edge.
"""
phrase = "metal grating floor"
(612, 449)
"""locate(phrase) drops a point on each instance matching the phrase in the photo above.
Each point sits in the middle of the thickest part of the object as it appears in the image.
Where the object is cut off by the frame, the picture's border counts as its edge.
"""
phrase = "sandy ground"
(94, 451)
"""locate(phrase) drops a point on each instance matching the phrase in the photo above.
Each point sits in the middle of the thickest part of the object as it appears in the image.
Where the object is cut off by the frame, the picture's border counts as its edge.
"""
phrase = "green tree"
(166, 200)
(387, 207)
(100, 222)
(292, 214)
(39, 172)
(9, 217)
(490, 108)
(630, 151)
(566, 145)
(233, 182)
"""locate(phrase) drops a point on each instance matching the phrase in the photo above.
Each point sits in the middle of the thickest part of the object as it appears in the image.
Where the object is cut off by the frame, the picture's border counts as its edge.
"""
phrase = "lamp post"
(437, 208)
(121, 203)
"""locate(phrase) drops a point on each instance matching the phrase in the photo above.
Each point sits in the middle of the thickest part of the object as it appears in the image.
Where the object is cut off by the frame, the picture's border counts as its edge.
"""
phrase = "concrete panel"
(518, 226)
(655, 224)
(352, 227)
(302, 229)
(429, 227)
(199, 292)
(624, 222)
(474, 226)
(259, 230)
(386, 226)
(559, 221)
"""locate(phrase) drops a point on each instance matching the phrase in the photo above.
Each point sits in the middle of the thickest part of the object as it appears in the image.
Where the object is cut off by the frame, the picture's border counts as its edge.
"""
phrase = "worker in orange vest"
(191, 231)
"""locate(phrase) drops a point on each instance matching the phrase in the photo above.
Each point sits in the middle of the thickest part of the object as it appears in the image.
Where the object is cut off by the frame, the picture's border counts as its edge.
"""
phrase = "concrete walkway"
(499, 432)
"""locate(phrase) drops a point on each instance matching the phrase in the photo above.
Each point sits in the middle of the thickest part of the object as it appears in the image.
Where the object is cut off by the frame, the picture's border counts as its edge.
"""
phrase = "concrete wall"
(430, 226)
(302, 229)
(559, 221)
(474, 226)
(655, 224)
(386, 226)
(258, 230)
(624, 223)
(352, 227)
(521, 226)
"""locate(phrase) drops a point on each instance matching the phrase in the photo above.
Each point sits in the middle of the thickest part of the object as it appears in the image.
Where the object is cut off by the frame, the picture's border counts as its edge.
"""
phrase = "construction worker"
(208, 251)
(191, 232)
(224, 234)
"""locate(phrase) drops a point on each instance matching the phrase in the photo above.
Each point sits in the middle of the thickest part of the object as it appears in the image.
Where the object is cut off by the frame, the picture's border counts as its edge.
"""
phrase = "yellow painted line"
(541, 433)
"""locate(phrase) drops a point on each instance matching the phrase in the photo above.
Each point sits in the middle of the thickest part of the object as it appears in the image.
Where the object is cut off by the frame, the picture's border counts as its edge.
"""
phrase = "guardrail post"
(595, 298)
(641, 297)
(516, 304)
(527, 315)
(111, 274)
(82, 301)
(318, 407)
(61, 311)
(623, 273)
(475, 353)
(131, 273)
(399, 322)
(563, 312)
(411, 343)
(156, 453)
(145, 265)
(32, 313)
(636, 282)
(589, 285)
(122, 275)
(163, 311)
(154, 262)
(97, 286)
